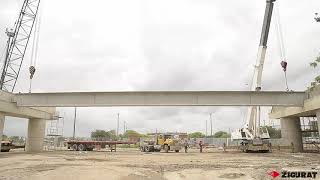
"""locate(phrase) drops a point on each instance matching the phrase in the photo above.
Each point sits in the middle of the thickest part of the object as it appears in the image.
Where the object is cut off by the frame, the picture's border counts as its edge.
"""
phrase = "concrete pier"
(36, 133)
(318, 118)
(291, 132)
(2, 118)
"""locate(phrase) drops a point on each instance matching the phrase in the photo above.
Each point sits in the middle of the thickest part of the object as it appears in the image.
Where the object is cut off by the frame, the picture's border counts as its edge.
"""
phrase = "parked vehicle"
(167, 142)
(6, 146)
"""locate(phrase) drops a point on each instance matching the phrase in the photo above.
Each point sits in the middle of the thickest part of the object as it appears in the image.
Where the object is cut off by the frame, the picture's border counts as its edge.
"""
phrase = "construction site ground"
(127, 164)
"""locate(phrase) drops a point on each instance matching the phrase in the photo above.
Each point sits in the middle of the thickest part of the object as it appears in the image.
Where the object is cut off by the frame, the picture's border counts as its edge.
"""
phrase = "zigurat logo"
(294, 174)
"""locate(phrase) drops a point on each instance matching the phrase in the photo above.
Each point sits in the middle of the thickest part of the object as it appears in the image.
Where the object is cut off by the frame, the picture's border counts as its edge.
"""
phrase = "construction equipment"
(252, 136)
(167, 142)
(18, 39)
(6, 146)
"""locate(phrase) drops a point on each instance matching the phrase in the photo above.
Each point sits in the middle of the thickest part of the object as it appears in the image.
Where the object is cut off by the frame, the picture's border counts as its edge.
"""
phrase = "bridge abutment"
(291, 132)
(36, 133)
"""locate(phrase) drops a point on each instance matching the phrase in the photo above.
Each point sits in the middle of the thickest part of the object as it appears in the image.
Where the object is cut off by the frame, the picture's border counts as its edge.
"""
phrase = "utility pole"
(74, 122)
(211, 124)
(206, 127)
(118, 123)
(124, 127)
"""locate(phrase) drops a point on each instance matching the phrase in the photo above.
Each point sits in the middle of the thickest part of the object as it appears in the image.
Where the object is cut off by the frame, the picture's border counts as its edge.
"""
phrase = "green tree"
(4, 137)
(14, 139)
(97, 134)
(131, 133)
(104, 135)
(221, 134)
(112, 134)
(273, 132)
(315, 64)
(196, 135)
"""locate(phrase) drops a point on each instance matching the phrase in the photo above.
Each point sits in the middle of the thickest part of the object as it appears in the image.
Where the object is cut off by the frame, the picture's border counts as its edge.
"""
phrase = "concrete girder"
(160, 98)
(9, 108)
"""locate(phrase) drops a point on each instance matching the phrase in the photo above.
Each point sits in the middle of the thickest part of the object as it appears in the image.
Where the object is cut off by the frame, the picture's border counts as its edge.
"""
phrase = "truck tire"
(166, 148)
(147, 149)
(90, 149)
(142, 149)
(81, 147)
(74, 147)
(177, 151)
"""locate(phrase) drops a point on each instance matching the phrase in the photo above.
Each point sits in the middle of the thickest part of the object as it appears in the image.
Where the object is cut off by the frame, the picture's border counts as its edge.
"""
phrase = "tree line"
(111, 134)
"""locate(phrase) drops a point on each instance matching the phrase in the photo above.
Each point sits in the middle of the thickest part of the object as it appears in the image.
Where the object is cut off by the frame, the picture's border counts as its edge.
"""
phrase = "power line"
(118, 119)
(210, 124)
(206, 127)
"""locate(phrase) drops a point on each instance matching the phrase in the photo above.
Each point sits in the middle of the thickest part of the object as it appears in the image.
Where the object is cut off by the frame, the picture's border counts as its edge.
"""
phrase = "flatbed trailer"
(90, 145)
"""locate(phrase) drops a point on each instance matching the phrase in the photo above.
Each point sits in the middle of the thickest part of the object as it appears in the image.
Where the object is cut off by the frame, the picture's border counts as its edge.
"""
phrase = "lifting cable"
(34, 52)
(284, 62)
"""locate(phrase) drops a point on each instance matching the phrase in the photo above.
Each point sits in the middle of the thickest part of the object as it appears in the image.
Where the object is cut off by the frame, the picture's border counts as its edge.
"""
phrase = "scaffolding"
(310, 134)
(54, 133)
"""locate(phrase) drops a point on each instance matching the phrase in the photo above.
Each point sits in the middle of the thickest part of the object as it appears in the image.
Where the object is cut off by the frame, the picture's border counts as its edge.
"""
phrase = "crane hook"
(32, 70)
(284, 65)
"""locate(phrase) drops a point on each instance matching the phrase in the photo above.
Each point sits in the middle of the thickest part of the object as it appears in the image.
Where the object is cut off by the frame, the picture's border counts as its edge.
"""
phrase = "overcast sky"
(127, 45)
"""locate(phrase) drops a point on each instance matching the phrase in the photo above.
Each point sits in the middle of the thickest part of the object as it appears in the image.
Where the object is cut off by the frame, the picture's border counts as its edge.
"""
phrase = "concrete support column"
(291, 132)
(2, 117)
(36, 132)
(318, 118)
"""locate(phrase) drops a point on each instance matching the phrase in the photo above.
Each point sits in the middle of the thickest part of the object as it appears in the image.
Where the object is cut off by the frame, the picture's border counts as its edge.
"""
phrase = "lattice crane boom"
(18, 39)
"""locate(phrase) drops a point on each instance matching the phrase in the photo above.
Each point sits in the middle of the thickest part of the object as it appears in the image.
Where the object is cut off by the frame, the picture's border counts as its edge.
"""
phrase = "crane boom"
(252, 115)
(18, 39)
(252, 136)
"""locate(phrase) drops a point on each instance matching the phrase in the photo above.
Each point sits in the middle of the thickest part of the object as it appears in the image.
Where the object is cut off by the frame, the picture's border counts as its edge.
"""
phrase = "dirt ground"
(127, 164)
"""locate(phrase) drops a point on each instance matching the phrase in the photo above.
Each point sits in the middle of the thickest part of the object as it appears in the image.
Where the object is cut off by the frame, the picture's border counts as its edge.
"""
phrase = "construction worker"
(186, 146)
(200, 145)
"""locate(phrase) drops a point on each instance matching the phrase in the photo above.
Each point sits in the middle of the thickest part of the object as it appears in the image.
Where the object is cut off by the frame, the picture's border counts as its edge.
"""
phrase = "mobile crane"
(18, 38)
(252, 136)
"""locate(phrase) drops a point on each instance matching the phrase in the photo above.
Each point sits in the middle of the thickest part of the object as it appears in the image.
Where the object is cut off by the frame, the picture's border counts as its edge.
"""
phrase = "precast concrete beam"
(36, 133)
(160, 98)
(10, 108)
(291, 132)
